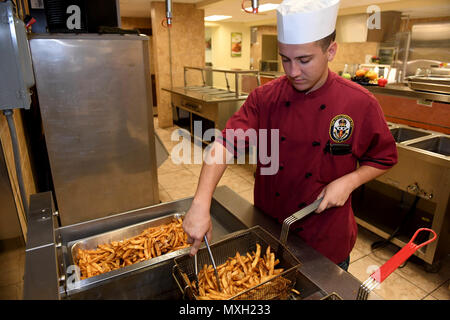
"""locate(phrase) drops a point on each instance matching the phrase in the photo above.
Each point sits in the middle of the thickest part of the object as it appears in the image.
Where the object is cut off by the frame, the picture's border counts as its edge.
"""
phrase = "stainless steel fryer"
(49, 272)
(50, 269)
(92, 242)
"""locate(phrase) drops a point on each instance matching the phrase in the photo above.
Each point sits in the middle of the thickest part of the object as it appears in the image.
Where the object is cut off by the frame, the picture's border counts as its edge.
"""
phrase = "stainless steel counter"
(207, 94)
(271, 74)
(210, 106)
(45, 270)
(402, 90)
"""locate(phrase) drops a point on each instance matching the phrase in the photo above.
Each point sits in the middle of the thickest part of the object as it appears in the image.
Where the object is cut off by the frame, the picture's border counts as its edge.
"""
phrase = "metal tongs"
(213, 263)
(295, 217)
(392, 264)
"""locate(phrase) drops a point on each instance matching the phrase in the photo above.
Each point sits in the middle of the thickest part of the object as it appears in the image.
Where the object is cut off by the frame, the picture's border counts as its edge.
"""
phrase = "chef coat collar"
(320, 91)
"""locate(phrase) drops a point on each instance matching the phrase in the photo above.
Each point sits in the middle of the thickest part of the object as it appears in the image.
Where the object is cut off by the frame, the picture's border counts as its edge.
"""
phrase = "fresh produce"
(382, 82)
(346, 76)
(375, 59)
(361, 72)
(372, 75)
(361, 80)
(367, 77)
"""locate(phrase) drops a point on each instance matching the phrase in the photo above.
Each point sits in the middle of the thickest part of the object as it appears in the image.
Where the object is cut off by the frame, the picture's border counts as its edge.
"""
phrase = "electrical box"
(81, 16)
(16, 70)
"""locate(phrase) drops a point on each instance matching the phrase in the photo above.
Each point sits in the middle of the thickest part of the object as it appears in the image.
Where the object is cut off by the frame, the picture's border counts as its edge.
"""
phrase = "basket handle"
(175, 273)
(386, 269)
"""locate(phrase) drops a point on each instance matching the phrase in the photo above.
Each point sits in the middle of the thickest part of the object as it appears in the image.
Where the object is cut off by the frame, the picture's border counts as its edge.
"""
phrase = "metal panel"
(40, 285)
(42, 219)
(41, 271)
(95, 98)
(15, 69)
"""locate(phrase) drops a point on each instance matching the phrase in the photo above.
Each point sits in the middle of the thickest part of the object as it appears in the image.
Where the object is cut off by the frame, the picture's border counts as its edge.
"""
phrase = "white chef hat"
(304, 21)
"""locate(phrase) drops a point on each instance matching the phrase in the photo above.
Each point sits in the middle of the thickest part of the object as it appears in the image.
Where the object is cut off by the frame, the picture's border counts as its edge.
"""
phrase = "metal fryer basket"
(242, 242)
(332, 296)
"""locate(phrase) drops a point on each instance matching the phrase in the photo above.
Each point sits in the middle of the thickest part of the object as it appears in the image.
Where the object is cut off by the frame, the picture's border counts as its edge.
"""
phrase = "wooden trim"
(30, 186)
(408, 111)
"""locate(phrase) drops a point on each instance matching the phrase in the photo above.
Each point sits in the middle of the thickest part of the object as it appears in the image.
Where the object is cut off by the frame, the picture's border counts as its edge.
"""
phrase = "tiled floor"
(12, 262)
(411, 282)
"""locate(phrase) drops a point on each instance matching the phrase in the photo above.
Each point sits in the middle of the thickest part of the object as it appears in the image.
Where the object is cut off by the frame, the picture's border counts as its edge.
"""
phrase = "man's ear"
(331, 51)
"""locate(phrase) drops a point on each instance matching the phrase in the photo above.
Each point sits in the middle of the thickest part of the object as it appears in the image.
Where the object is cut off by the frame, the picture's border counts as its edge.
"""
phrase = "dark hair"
(325, 42)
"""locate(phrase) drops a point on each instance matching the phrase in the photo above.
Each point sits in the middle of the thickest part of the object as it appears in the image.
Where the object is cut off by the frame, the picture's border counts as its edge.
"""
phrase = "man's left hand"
(335, 194)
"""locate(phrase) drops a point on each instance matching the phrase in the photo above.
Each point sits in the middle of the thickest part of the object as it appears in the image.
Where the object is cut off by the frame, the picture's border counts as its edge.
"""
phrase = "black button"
(301, 205)
(283, 138)
(277, 194)
(316, 143)
(322, 107)
(287, 104)
(281, 167)
(308, 174)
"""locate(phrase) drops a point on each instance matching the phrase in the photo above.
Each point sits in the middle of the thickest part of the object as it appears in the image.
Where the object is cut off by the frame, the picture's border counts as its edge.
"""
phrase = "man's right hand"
(197, 223)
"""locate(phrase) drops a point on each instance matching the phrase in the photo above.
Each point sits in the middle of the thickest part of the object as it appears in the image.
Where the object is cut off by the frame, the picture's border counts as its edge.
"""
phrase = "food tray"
(242, 242)
(429, 87)
(130, 231)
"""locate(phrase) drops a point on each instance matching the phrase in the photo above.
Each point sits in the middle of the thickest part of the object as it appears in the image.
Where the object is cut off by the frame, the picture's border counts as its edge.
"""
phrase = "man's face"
(306, 64)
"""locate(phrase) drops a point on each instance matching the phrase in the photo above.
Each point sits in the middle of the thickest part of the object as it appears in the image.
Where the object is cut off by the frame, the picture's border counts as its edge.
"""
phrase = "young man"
(327, 126)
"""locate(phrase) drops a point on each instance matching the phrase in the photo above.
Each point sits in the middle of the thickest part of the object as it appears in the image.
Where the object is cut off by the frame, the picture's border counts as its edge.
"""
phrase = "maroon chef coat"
(339, 112)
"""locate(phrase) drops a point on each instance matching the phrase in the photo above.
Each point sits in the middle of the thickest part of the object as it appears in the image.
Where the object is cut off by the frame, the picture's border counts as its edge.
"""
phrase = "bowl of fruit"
(366, 77)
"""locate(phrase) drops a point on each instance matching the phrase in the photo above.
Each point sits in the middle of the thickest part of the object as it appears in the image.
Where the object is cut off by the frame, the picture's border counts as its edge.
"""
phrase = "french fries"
(240, 273)
(150, 243)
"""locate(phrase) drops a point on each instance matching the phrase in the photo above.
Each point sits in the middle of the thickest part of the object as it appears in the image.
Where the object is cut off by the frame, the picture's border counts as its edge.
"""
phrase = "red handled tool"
(386, 269)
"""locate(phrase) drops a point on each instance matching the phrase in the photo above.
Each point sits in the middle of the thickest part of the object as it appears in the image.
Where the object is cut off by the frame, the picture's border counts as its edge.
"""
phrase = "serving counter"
(400, 104)
(208, 105)
(48, 275)
(420, 109)
(403, 90)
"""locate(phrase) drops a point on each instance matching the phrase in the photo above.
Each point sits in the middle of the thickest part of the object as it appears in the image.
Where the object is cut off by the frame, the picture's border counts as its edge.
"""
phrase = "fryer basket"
(242, 242)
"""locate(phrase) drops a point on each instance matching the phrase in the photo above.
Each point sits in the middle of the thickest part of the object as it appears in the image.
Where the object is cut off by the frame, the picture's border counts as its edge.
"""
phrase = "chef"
(332, 137)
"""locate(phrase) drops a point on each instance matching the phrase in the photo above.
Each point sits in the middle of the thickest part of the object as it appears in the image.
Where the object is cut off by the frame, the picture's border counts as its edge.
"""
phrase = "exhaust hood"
(354, 28)
(431, 32)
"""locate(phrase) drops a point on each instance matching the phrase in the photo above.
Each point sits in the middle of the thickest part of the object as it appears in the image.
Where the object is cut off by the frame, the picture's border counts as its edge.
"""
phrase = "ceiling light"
(217, 18)
(265, 7)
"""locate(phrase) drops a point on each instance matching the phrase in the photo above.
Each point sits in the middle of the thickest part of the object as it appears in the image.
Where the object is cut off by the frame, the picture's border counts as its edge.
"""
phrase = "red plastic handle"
(255, 10)
(386, 269)
(165, 23)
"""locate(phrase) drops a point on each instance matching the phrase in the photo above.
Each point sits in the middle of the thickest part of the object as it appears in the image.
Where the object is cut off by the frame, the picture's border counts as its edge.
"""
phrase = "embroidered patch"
(341, 128)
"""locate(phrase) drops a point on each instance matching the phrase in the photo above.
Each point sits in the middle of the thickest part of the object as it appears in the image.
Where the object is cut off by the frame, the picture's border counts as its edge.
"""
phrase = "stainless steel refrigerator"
(95, 98)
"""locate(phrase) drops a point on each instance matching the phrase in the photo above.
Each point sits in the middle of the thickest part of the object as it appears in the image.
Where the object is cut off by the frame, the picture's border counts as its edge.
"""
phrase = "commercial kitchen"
(107, 108)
